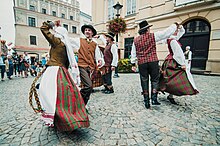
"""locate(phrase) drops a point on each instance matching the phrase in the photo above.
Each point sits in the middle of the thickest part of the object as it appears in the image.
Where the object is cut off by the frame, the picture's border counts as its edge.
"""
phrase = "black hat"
(88, 26)
(111, 35)
(144, 24)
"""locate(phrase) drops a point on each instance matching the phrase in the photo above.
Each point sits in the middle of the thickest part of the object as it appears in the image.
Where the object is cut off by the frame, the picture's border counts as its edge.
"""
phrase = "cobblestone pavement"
(119, 118)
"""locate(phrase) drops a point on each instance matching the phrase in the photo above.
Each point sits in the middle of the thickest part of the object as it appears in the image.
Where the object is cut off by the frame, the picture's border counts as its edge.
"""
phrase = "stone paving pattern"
(119, 118)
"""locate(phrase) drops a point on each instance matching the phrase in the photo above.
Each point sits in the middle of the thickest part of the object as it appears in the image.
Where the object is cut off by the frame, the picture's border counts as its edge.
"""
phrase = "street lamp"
(117, 6)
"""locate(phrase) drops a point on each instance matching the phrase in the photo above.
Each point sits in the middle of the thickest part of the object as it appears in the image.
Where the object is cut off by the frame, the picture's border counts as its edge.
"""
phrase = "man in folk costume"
(144, 51)
(89, 57)
(111, 61)
(62, 104)
(176, 78)
(188, 57)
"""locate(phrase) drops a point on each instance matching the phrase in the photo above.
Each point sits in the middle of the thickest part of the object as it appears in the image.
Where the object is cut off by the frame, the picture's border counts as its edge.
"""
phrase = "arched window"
(196, 26)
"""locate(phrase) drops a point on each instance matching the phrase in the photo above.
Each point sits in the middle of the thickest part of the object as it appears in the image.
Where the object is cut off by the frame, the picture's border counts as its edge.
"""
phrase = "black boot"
(109, 91)
(146, 101)
(154, 99)
(171, 99)
(105, 89)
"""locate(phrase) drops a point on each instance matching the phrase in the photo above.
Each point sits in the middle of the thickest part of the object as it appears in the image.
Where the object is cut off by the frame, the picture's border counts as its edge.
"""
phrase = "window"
(74, 29)
(196, 26)
(31, 21)
(32, 8)
(33, 40)
(54, 13)
(131, 7)
(71, 17)
(63, 15)
(128, 45)
(110, 9)
(65, 26)
(44, 11)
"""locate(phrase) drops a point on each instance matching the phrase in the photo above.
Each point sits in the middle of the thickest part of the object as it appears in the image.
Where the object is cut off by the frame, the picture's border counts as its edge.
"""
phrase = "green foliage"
(124, 66)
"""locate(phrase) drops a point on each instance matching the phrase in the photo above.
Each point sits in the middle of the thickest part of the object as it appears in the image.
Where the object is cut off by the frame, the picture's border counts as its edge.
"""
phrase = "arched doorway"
(197, 36)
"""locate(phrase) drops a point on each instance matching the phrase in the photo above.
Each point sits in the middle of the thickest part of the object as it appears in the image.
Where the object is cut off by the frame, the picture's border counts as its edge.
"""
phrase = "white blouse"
(178, 54)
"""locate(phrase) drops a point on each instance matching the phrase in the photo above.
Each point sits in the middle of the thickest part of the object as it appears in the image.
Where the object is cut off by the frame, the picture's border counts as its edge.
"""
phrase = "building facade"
(29, 16)
(85, 19)
(200, 18)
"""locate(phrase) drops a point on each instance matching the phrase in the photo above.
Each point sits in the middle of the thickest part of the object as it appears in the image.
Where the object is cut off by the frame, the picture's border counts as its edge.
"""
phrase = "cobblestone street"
(119, 118)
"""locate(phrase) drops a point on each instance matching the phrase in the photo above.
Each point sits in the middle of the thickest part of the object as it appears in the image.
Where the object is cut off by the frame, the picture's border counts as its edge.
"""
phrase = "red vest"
(145, 48)
(108, 55)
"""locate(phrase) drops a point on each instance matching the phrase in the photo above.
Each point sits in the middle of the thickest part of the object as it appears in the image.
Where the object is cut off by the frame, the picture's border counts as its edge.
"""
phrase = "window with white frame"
(31, 21)
(110, 9)
(33, 40)
(62, 15)
(54, 13)
(65, 26)
(44, 11)
(74, 29)
(32, 8)
(131, 7)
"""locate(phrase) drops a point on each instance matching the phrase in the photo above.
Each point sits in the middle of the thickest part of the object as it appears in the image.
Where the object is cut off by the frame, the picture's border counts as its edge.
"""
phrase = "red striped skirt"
(70, 111)
(174, 80)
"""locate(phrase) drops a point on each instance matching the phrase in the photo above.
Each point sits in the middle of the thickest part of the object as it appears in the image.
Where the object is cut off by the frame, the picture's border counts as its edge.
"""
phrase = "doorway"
(197, 36)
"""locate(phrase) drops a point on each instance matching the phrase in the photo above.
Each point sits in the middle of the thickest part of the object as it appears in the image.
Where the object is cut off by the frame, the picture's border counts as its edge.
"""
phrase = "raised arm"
(48, 35)
(165, 34)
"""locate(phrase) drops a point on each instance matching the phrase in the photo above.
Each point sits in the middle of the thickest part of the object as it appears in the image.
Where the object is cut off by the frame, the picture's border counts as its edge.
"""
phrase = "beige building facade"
(29, 16)
(200, 18)
(84, 19)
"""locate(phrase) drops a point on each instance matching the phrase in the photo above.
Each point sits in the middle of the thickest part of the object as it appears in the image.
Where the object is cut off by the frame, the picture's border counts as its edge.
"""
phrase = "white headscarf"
(62, 33)
(188, 47)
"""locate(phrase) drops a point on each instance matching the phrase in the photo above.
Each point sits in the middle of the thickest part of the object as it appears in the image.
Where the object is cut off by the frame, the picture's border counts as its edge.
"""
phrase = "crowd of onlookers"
(14, 65)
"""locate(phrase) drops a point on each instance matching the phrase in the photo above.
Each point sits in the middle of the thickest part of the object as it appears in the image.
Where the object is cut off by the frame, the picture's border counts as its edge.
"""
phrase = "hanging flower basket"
(117, 25)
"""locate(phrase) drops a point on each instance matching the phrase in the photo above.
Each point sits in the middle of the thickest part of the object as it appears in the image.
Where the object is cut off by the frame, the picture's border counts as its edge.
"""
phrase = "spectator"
(9, 66)
(2, 65)
(43, 61)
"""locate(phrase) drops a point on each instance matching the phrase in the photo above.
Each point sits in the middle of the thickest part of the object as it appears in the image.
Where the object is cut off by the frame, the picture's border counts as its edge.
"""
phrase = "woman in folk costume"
(175, 78)
(62, 104)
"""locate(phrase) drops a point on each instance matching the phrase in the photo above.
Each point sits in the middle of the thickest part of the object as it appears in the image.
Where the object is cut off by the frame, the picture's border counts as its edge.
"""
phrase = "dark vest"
(108, 55)
(145, 48)
(186, 54)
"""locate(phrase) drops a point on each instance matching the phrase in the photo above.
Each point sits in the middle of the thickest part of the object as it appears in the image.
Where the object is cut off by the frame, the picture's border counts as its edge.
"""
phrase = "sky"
(7, 21)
